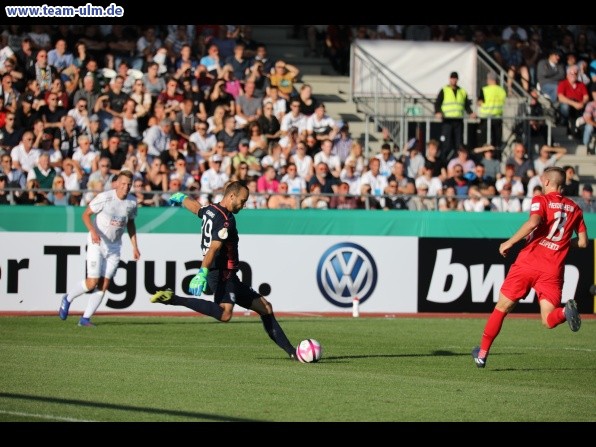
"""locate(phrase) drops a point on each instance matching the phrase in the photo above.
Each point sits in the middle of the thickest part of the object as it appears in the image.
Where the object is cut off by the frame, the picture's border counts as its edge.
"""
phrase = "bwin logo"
(346, 270)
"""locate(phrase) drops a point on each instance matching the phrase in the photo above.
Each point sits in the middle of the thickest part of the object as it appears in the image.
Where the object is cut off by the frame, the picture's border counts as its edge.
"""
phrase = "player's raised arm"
(187, 202)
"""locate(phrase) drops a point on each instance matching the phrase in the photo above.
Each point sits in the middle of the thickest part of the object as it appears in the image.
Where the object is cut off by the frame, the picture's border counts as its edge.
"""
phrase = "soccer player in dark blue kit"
(218, 272)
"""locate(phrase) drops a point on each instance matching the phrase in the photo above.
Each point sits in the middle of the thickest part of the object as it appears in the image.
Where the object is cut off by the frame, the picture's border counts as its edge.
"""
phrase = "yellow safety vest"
(453, 104)
(494, 100)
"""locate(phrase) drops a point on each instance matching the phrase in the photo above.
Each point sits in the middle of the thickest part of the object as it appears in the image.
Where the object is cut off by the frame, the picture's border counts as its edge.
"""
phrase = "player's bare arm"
(581, 241)
(211, 253)
(87, 221)
(132, 232)
(526, 228)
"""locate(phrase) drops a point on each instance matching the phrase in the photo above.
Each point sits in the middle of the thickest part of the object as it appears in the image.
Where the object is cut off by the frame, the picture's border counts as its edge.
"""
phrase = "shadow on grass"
(333, 358)
(172, 323)
(107, 406)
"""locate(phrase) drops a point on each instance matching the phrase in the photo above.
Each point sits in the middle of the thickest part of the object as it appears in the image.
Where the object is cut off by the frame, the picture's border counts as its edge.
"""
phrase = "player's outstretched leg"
(277, 334)
(205, 307)
(572, 315)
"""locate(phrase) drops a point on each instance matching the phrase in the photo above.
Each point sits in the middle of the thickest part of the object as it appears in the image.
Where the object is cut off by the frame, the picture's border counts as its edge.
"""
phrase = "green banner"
(332, 222)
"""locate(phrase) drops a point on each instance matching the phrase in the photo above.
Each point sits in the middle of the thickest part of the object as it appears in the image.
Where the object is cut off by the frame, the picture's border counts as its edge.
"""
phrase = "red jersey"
(547, 246)
(576, 93)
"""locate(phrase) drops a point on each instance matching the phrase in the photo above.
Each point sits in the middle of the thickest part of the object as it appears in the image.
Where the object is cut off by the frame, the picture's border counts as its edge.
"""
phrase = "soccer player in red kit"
(549, 233)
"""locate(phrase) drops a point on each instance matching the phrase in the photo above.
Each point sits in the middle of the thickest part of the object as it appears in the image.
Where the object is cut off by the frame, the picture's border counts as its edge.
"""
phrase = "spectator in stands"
(527, 202)
(280, 105)
(475, 202)
(293, 119)
(240, 65)
(462, 159)
(158, 137)
(548, 156)
(43, 138)
(245, 157)
(268, 123)
(24, 156)
(296, 184)
(350, 176)
(283, 77)
(491, 102)
(337, 45)
(509, 178)
(248, 106)
(308, 103)
(392, 200)
(72, 175)
(25, 115)
(6, 197)
(52, 114)
(202, 141)
(514, 63)
(458, 182)
(523, 165)
(587, 202)
(171, 156)
(321, 125)
(117, 130)
(589, 117)
(10, 135)
(217, 96)
(42, 71)
(180, 173)
(374, 178)
(315, 198)
(275, 158)
(326, 156)
(433, 184)
(344, 199)
(342, 143)
(573, 97)
(213, 181)
(230, 136)
(449, 200)
(450, 105)
(32, 195)
(282, 200)
(414, 161)
(233, 86)
(115, 153)
(549, 72)
(255, 200)
(212, 61)
(43, 172)
(571, 185)
(9, 93)
(304, 162)
(506, 202)
(438, 165)
(85, 159)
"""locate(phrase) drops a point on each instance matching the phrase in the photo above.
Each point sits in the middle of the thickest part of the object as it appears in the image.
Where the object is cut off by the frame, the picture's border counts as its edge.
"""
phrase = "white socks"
(77, 291)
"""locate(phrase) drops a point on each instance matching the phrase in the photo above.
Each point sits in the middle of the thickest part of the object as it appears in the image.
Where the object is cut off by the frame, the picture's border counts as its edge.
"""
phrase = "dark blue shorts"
(227, 288)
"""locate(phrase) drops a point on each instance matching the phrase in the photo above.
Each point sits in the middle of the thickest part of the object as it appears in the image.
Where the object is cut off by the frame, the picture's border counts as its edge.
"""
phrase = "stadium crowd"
(189, 108)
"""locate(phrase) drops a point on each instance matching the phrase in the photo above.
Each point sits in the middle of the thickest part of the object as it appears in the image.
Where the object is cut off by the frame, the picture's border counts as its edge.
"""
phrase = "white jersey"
(112, 214)
(27, 160)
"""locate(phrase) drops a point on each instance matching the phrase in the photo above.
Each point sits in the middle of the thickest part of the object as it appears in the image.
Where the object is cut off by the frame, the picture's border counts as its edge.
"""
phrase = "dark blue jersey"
(219, 224)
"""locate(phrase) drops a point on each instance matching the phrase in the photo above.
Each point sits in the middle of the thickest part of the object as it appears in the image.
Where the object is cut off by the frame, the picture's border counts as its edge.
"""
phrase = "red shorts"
(520, 280)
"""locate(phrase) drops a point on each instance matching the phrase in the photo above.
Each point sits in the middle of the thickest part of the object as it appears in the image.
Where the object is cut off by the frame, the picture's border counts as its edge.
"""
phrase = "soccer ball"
(309, 351)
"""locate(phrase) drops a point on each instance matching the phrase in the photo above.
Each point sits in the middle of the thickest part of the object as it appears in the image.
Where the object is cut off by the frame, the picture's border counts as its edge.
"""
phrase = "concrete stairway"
(334, 90)
(327, 86)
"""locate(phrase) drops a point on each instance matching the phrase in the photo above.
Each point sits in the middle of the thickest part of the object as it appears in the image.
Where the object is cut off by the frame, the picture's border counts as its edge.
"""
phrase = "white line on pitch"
(43, 416)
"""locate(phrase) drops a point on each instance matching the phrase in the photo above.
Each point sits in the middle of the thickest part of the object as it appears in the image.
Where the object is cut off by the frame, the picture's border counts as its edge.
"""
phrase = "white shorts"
(102, 259)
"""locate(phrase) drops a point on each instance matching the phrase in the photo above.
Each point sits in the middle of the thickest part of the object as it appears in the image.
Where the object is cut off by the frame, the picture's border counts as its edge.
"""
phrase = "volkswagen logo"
(346, 270)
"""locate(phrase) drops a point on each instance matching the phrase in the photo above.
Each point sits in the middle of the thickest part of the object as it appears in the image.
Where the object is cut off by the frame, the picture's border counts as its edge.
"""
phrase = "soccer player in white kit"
(114, 210)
